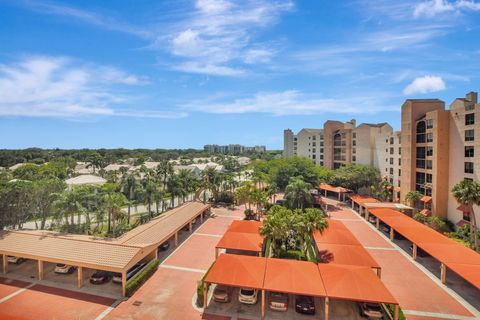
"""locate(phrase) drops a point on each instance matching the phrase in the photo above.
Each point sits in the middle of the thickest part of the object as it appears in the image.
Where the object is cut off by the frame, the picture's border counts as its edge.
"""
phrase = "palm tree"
(163, 171)
(174, 187)
(149, 192)
(188, 182)
(113, 202)
(412, 197)
(297, 193)
(96, 161)
(129, 185)
(467, 193)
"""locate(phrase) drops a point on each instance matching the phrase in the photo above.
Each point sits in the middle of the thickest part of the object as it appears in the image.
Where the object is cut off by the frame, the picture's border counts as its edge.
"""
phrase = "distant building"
(232, 148)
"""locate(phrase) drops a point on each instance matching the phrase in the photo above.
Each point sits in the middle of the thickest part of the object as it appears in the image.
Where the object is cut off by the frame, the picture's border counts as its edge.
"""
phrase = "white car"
(16, 260)
(64, 268)
(248, 295)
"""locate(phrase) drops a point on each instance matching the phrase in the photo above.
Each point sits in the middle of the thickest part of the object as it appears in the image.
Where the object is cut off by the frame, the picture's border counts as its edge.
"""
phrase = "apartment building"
(232, 148)
(336, 144)
(388, 158)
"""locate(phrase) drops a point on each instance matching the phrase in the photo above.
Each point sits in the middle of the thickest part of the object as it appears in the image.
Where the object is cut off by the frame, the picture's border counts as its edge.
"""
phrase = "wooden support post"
(443, 273)
(216, 253)
(395, 312)
(326, 308)
(80, 277)
(40, 270)
(414, 251)
(392, 233)
(205, 295)
(124, 284)
(377, 223)
(176, 238)
(201, 217)
(379, 273)
(353, 205)
(190, 227)
(366, 214)
(263, 304)
(5, 264)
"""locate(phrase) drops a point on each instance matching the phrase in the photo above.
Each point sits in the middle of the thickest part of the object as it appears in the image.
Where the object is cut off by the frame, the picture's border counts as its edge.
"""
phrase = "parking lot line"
(16, 293)
(436, 315)
(380, 248)
(209, 235)
(108, 310)
(182, 268)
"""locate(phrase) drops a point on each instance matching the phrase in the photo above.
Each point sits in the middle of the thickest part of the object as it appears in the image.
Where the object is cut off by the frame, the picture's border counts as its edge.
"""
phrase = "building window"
(386, 159)
(314, 138)
(399, 161)
(321, 163)
(391, 150)
(314, 156)
(469, 135)
(429, 178)
(420, 163)
(429, 151)
(314, 150)
(399, 174)
(391, 170)
(420, 178)
(391, 140)
(428, 164)
(469, 119)
(399, 150)
(429, 123)
(466, 216)
(321, 144)
(321, 156)
(421, 127)
(420, 152)
(354, 158)
(391, 160)
(354, 135)
(354, 142)
(321, 150)
(354, 150)
(314, 144)
(469, 151)
(468, 167)
(430, 137)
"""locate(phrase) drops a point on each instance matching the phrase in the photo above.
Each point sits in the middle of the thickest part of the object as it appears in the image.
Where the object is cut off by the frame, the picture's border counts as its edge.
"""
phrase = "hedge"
(200, 286)
(141, 277)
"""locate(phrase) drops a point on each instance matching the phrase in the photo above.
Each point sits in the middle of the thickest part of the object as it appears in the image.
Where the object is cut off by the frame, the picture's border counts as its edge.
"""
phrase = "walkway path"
(421, 295)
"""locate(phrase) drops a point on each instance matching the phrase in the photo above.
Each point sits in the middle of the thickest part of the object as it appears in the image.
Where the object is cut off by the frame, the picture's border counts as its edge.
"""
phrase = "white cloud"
(293, 102)
(432, 8)
(425, 84)
(61, 87)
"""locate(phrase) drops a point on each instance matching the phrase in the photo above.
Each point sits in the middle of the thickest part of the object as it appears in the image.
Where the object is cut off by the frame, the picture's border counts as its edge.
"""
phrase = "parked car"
(100, 277)
(186, 228)
(64, 268)
(15, 260)
(278, 301)
(371, 310)
(164, 246)
(248, 295)
(117, 277)
(305, 305)
(221, 293)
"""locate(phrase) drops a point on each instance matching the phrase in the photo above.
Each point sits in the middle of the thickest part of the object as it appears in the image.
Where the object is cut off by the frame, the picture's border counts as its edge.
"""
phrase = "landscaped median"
(141, 277)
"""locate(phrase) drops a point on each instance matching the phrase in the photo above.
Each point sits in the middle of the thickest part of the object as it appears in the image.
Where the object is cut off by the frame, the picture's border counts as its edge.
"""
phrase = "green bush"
(140, 278)
(266, 249)
(391, 310)
(224, 197)
(200, 286)
(293, 254)
(420, 217)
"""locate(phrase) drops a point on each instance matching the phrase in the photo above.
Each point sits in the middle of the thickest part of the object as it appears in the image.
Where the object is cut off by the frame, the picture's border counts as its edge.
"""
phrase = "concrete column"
(201, 217)
(205, 295)
(176, 238)
(353, 205)
(263, 304)
(124, 283)
(392, 233)
(414, 251)
(40, 270)
(395, 312)
(443, 273)
(366, 214)
(326, 308)
(190, 227)
(325, 193)
(216, 253)
(5, 264)
(339, 196)
(80, 277)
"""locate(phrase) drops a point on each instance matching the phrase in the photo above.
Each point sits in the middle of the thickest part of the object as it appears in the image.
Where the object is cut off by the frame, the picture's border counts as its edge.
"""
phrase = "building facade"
(232, 148)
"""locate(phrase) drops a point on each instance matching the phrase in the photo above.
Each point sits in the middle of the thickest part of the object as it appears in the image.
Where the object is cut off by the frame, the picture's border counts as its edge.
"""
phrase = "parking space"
(198, 252)
(43, 302)
(9, 286)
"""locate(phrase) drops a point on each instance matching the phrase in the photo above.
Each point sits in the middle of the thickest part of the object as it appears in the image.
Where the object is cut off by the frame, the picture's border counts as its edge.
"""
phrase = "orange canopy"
(294, 277)
(453, 254)
(349, 255)
(354, 283)
(361, 199)
(464, 208)
(426, 213)
(327, 187)
(426, 199)
(238, 271)
(336, 233)
(397, 189)
(245, 226)
(241, 241)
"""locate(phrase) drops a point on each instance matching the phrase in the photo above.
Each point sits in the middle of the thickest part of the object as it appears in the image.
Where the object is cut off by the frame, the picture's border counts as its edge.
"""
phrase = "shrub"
(391, 310)
(436, 223)
(249, 214)
(420, 217)
(293, 254)
(140, 278)
(200, 287)
(224, 197)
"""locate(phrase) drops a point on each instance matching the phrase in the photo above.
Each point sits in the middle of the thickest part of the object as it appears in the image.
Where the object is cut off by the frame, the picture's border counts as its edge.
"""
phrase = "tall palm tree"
(129, 184)
(163, 171)
(149, 192)
(113, 202)
(467, 193)
(188, 181)
(96, 161)
(297, 193)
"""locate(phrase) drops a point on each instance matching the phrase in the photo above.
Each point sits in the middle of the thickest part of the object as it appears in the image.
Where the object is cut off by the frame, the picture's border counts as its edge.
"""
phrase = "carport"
(360, 200)
(346, 249)
(242, 236)
(341, 192)
(354, 283)
(462, 260)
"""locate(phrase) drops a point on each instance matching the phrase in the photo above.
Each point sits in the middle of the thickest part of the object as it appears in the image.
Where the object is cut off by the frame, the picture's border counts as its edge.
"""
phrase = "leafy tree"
(43, 199)
(96, 161)
(467, 193)
(16, 199)
(412, 198)
(355, 177)
(28, 171)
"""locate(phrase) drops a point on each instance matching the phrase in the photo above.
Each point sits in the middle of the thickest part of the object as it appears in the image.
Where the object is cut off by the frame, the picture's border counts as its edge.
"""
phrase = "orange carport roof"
(245, 226)
(362, 199)
(354, 283)
(336, 233)
(471, 273)
(294, 277)
(238, 271)
(325, 186)
(241, 241)
(349, 255)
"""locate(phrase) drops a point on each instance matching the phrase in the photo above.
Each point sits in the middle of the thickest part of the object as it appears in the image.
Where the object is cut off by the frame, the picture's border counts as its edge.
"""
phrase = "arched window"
(421, 128)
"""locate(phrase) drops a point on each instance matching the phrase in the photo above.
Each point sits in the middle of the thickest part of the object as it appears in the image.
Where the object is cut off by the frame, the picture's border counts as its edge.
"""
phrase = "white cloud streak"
(432, 8)
(425, 84)
(60, 87)
(293, 102)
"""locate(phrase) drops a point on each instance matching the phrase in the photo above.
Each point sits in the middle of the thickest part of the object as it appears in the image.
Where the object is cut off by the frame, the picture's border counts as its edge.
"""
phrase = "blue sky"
(181, 73)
